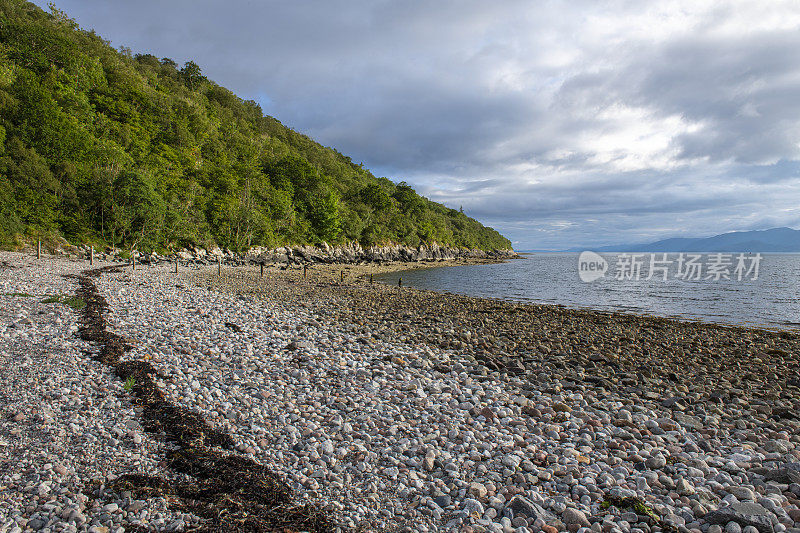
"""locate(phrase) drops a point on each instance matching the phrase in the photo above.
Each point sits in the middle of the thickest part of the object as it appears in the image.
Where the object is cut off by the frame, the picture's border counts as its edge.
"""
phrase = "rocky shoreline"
(397, 409)
(295, 255)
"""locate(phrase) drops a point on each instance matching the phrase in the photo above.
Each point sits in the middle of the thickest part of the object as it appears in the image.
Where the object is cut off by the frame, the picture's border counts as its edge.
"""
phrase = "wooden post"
(341, 276)
(133, 261)
(305, 271)
(262, 269)
(399, 282)
(39, 249)
(176, 265)
(219, 266)
(91, 256)
(370, 279)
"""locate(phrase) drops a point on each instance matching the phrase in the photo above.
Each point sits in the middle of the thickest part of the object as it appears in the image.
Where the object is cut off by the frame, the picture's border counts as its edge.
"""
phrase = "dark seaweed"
(229, 491)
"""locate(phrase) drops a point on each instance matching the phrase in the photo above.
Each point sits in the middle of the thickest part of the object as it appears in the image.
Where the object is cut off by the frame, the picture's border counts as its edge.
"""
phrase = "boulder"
(521, 506)
(744, 514)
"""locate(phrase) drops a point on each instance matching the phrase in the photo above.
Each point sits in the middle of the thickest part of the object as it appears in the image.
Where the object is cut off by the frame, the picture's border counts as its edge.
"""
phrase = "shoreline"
(790, 327)
(358, 276)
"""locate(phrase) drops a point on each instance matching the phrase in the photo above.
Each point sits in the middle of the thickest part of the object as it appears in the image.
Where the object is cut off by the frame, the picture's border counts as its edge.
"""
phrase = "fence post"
(262, 269)
(341, 276)
(176, 265)
(133, 262)
(39, 249)
(370, 279)
(305, 269)
(91, 256)
(219, 266)
(399, 282)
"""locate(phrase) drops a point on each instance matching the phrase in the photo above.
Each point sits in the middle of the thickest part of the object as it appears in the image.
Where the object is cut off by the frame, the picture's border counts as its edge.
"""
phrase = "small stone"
(777, 446)
(327, 447)
(473, 507)
(520, 506)
(561, 407)
(684, 488)
(478, 490)
(429, 461)
(733, 527)
(742, 493)
(573, 516)
(656, 462)
(443, 500)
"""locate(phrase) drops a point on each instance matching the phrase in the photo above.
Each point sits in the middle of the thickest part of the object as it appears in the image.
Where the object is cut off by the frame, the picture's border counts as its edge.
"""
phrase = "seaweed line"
(230, 492)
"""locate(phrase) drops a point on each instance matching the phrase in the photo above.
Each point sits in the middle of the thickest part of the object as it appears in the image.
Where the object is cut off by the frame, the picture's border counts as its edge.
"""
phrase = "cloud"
(561, 123)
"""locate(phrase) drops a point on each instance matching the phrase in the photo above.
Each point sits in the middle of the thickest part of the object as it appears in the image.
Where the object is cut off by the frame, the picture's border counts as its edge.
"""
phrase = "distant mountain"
(770, 240)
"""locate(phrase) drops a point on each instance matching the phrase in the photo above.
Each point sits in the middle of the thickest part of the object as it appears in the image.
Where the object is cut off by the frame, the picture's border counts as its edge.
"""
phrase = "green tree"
(191, 75)
(137, 211)
(324, 216)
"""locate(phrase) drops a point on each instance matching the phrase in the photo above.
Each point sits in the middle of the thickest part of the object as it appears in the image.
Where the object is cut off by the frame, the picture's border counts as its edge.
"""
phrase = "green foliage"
(134, 151)
(72, 301)
(632, 503)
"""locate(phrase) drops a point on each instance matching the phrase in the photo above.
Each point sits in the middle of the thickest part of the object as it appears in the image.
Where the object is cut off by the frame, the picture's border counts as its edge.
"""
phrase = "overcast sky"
(560, 124)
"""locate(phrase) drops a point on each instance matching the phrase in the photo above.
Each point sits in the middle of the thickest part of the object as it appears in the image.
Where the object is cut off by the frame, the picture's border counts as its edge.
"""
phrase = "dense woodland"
(134, 151)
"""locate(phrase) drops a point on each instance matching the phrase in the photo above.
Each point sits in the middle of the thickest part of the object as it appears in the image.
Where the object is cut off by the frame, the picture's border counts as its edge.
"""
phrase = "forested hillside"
(135, 151)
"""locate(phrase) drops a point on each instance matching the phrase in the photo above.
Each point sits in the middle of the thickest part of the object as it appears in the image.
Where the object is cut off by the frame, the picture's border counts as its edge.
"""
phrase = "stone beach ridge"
(395, 409)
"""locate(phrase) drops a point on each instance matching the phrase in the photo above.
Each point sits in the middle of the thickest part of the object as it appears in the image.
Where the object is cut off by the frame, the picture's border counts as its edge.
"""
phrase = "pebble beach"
(385, 409)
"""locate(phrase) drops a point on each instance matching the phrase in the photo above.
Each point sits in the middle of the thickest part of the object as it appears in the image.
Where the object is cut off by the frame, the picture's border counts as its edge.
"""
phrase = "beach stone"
(777, 446)
(656, 462)
(684, 487)
(689, 421)
(733, 527)
(299, 345)
(572, 516)
(561, 407)
(742, 493)
(443, 500)
(327, 447)
(521, 506)
(624, 416)
(789, 473)
(744, 514)
(473, 507)
(430, 460)
(478, 490)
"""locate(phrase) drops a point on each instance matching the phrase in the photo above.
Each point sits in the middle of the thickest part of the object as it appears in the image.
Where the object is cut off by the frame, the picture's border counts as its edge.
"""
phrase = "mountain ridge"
(128, 150)
(777, 240)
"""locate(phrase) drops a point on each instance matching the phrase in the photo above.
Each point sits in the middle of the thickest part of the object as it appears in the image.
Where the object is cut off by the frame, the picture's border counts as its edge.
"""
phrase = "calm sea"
(772, 300)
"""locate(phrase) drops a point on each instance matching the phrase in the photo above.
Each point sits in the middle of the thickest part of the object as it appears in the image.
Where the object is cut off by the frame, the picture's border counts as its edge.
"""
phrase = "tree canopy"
(105, 146)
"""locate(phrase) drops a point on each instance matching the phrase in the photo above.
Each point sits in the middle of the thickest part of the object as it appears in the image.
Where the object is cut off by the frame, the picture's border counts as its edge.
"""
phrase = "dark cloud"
(558, 123)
